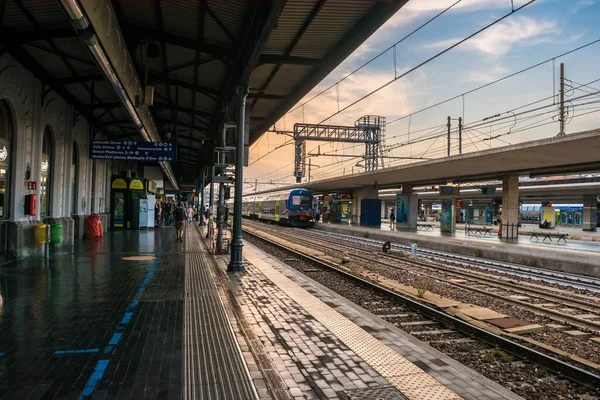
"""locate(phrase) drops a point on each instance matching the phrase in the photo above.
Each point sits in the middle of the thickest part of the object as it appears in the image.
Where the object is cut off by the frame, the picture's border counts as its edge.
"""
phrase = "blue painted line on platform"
(115, 339)
(84, 351)
(90, 386)
(127, 317)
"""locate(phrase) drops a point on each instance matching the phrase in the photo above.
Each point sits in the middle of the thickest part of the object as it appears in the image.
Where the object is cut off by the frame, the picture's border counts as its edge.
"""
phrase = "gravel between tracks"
(414, 276)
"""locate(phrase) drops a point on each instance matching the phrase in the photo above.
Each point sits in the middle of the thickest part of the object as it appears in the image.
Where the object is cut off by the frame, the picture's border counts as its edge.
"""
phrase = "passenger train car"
(292, 207)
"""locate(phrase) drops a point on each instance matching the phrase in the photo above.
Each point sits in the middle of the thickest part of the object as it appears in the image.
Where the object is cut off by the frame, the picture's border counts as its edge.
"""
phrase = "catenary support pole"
(237, 262)
(448, 136)
(459, 135)
(562, 100)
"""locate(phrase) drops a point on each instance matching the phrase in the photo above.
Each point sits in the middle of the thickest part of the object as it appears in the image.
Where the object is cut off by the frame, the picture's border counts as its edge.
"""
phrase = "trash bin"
(39, 231)
(55, 233)
(413, 249)
(93, 226)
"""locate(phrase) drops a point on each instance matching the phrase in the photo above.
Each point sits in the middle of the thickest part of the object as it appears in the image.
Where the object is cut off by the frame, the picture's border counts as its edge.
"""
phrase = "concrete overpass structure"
(558, 155)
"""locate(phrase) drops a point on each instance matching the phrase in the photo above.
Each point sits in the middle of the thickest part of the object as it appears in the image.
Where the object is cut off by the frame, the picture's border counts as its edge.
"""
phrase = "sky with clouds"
(541, 31)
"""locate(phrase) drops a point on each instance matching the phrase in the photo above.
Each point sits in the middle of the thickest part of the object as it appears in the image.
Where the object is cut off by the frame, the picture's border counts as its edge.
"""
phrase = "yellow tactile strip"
(404, 375)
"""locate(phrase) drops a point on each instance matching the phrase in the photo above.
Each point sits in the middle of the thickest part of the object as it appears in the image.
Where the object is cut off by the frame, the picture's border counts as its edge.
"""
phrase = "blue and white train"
(293, 207)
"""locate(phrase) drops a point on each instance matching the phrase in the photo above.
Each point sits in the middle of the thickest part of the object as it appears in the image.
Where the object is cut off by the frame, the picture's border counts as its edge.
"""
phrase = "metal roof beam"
(81, 78)
(213, 50)
(187, 110)
(288, 51)
(258, 25)
(208, 91)
(96, 106)
(287, 59)
(165, 121)
(355, 36)
(36, 35)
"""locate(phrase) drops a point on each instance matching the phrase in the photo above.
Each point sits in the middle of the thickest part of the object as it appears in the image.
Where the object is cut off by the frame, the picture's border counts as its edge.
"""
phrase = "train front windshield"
(302, 201)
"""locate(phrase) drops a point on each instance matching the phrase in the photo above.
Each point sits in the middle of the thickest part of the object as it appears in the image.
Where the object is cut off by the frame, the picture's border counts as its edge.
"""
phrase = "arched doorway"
(6, 137)
(46, 174)
(74, 173)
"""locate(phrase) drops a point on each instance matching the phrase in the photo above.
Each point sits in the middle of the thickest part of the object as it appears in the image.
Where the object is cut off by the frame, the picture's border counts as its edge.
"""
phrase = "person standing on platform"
(392, 218)
(317, 214)
(179, 221)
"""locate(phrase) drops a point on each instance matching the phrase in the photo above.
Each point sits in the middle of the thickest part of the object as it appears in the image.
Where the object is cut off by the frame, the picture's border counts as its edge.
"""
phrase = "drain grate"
(382, 393)
(161, 295)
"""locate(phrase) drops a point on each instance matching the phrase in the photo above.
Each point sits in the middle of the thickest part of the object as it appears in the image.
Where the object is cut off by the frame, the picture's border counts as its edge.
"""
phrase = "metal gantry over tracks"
(368, 130)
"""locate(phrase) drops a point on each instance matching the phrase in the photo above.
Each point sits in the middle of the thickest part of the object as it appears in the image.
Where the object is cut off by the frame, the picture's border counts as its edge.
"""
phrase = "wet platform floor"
(72, 326)
(91, 323)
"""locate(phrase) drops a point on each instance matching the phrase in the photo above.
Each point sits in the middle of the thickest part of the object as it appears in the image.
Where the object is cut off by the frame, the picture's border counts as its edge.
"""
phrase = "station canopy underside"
(280, 49)
(572, 153)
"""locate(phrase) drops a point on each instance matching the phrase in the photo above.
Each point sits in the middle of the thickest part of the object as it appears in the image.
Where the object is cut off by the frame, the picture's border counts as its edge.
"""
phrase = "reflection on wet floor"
(58, 318)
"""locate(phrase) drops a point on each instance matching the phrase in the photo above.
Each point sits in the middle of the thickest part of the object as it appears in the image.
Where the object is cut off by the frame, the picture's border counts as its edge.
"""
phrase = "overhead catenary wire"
(428, 60)
(496, 81)
(375, 58)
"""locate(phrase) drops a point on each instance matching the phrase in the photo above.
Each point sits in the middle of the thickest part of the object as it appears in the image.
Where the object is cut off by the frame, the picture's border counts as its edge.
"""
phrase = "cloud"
(503, 37)
(486, 75)
(582, 4)
(413, 10)
(395, 100)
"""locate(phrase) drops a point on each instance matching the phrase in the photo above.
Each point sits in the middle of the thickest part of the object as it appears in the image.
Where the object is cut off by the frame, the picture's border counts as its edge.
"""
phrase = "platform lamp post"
(201, 194)
(237, 262)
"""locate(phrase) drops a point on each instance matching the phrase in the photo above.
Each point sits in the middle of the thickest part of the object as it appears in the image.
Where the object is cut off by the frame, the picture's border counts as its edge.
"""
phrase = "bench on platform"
(549, 235)
(426, 227)
(478, 230)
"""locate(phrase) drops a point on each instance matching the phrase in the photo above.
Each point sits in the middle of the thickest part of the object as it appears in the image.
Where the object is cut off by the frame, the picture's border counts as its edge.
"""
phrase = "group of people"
(166, 212)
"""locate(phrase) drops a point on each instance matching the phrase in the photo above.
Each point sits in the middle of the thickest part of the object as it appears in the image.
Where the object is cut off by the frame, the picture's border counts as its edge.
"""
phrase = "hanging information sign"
(132, 151)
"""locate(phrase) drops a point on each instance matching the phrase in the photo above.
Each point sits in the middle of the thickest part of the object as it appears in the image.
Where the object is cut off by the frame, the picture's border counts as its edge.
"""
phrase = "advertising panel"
(402, 209)
(447, 221)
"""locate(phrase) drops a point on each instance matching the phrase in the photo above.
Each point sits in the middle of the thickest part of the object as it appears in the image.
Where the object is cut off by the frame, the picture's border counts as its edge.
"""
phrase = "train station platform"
(573, 256)
(138, 315)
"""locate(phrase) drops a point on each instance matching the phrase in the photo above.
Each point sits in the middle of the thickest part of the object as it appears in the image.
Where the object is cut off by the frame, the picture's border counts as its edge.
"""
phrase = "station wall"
(46, 144)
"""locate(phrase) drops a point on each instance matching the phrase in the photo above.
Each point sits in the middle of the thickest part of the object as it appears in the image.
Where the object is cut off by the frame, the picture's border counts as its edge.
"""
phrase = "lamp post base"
(237, 263)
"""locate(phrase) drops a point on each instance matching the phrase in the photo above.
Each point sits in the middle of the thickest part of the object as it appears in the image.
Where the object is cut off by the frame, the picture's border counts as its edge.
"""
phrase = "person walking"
(179, 221)
(189, 214)
(392, 218)
(158, 214)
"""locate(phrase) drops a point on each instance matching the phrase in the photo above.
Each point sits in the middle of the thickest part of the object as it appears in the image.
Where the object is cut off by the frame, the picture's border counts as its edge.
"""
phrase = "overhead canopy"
(577, 152)
(200, 50)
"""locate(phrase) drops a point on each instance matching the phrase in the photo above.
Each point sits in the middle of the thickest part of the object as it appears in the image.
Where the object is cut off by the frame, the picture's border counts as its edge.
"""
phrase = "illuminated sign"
(45, 166)
(136, 184)
(3, 154)
(119, 183)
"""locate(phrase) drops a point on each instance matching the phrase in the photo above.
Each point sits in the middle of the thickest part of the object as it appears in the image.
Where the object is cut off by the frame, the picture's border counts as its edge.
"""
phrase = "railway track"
(565, 279)
(437, 326)
(468, 279)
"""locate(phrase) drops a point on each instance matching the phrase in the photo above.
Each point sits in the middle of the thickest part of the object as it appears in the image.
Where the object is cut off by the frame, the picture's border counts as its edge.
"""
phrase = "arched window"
(46, 174)
(6, 136)
(74, 168)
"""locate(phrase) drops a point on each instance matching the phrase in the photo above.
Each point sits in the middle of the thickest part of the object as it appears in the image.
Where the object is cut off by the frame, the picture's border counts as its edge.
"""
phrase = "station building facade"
(44, 151)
